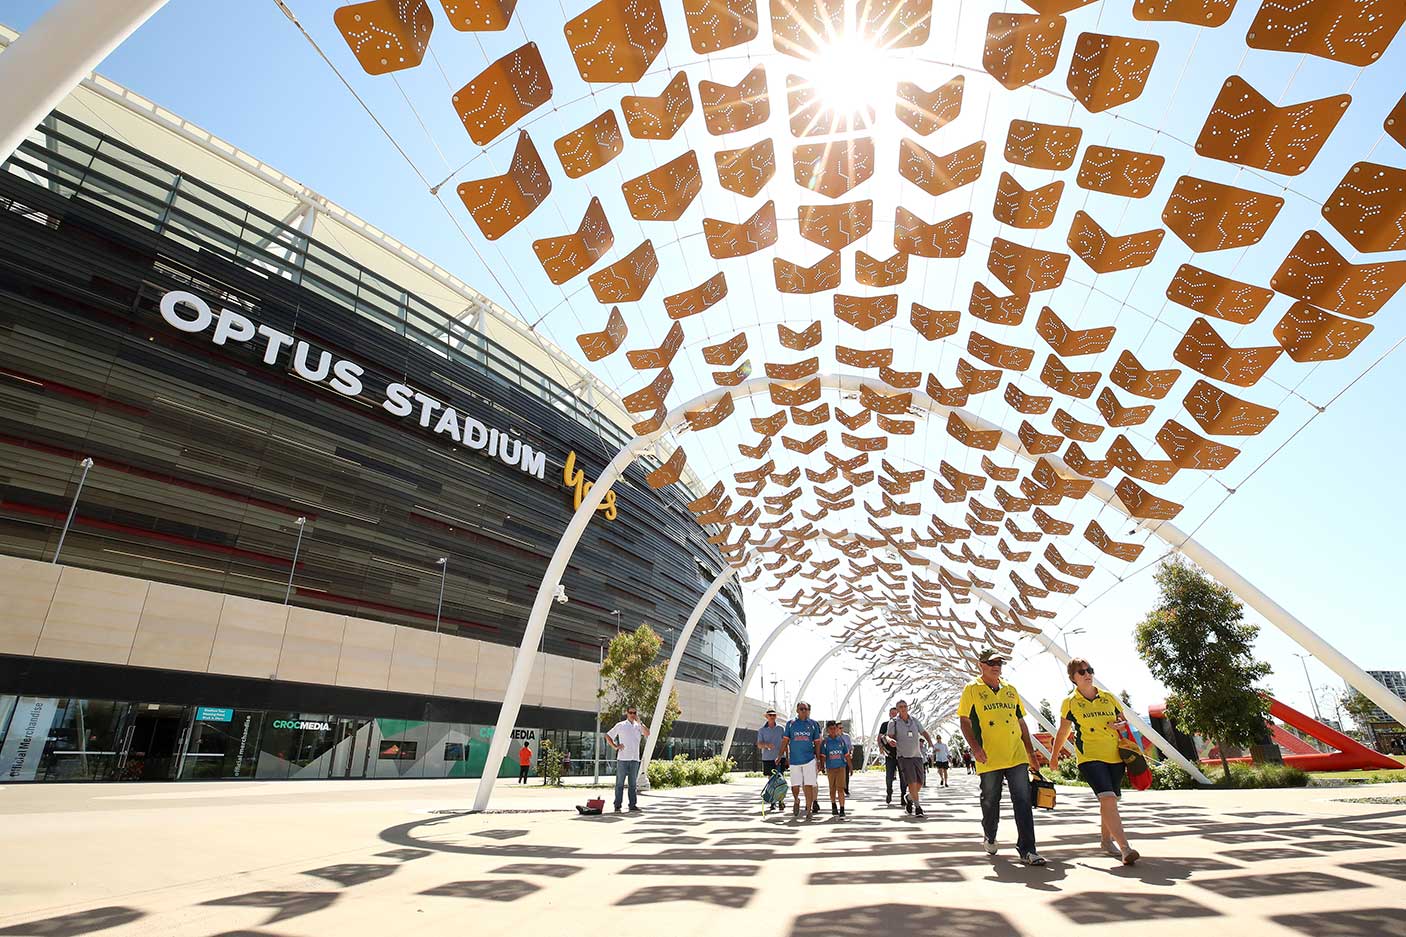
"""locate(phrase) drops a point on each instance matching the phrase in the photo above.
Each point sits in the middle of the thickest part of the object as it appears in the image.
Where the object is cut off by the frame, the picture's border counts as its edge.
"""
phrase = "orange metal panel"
(1214, 295)
(933, 324)
(591, 146)
(1119, 172)
(1025, 208)
(940, 239)
(1221, 414)
(1042, 146)
(714, 25)
(1021, 47)
(726, 239)
(1368, 208)
(866, 312)
(691, 302)
(597, 345)
(1203, 350)
(998, 310)
(747, 170)
(1107, 71)
(938, 174)
(1210, 216)
(793, 278)
(616, 40)
(503, 93)
(499, 203)
(1316, 273)
(1310, 334)
(658, 117)
(730, 108)
(927, 111)
(1026, 270)
(1129, 374)
(479, 16)
(1353, 31)
(835, 167)
(626, 280)
(836, 226)
(1105, 253)
(1246, 128)
(384, 35)
(566, 256)
(665, 192)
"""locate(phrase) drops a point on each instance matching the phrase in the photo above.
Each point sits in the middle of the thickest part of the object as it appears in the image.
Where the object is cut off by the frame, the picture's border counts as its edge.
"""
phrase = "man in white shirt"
(625, 738)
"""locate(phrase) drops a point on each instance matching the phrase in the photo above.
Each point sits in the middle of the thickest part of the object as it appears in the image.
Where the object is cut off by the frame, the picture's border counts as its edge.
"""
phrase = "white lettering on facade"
(189, 313)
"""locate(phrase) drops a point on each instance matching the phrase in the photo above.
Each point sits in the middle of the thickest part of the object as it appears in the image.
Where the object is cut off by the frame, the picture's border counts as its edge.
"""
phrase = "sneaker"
(907, 806)
(918, 811)
(842, 811)
(1032, 858)
(1129, 857)
(1111, 848)
(889, 798)
(617, 808)
(834, 810)
(635, 810)
(990, 846)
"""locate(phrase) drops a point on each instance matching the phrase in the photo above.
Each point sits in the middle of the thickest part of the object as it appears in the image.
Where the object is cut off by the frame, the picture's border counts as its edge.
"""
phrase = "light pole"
(616, 613)
(443, 564)
(595, 742)
(773, 692)
(297, 547)
(1312, 694)
(72, 507)
(1065, 636)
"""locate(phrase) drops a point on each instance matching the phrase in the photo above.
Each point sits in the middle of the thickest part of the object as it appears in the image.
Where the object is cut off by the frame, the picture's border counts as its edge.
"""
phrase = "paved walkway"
(329, 858)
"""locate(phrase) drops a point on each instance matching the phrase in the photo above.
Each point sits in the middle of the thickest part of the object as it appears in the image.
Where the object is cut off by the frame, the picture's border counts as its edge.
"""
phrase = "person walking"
(524, 762)
(769, 745)
(800, 744)
(849, 764)
(836, 749)
(993, 724)
(1093, 717)
(625, 738)
(890, 759)
(941, 758)
(906, 734)
(566, 762)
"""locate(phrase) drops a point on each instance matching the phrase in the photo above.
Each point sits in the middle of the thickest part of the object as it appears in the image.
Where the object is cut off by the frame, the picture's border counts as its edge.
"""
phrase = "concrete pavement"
(351, 858)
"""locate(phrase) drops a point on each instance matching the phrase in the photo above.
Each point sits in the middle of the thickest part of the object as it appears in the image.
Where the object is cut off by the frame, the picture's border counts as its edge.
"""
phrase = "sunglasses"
(631, 713)
(998, 664)
(1082, 671)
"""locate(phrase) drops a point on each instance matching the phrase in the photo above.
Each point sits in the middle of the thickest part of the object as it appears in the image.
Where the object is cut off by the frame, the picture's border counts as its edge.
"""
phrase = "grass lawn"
(1367, 777)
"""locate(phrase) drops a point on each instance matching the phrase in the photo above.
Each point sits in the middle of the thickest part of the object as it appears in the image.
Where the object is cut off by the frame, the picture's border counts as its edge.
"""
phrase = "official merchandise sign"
(213, 714)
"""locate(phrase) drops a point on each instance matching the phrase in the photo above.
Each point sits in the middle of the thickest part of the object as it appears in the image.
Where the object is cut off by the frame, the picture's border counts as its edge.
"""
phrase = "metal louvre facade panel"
(206, 455)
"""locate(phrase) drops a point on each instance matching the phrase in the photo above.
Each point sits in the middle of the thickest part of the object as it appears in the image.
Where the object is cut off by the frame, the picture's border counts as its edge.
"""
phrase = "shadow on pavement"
(81, 922)
(1118, 907)
(285, 904)
(727, 896)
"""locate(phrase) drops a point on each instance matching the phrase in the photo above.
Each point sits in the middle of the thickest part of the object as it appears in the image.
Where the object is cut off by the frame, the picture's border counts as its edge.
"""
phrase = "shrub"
(683, 772)
(1169, 776)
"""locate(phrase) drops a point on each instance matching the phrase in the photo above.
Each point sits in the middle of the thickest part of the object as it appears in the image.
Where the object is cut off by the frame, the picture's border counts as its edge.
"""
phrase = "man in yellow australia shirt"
(993, 724)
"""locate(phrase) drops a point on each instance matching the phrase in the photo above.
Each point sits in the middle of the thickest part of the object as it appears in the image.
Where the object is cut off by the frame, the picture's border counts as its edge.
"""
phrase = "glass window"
(224, 743)
(84, 742)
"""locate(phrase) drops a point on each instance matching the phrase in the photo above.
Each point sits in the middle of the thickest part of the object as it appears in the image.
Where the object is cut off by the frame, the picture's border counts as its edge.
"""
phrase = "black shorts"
(942, 765)
(1105, 778)
(768, 767)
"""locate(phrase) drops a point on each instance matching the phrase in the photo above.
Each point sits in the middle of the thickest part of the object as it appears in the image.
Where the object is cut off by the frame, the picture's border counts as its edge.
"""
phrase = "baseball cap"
(990, 655)
(769, 712)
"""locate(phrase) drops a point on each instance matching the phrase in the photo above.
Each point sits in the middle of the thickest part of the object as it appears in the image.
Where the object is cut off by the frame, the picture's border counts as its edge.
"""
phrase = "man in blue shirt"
(800, 744)
(769, 744)
(835, 749)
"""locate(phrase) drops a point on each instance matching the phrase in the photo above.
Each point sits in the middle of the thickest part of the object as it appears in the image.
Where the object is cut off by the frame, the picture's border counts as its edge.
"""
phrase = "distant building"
(1388, 734)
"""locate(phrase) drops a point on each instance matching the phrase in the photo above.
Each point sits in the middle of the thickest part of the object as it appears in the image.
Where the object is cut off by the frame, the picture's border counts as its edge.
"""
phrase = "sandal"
(1130, 856)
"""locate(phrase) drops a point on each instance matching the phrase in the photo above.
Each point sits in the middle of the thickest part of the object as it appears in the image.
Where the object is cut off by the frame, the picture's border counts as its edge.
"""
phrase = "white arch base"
(1173, 537)
(50, 58)
(662, 704)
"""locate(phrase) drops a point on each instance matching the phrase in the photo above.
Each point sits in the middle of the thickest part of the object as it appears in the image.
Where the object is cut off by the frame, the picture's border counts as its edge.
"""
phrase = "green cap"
(990, 655)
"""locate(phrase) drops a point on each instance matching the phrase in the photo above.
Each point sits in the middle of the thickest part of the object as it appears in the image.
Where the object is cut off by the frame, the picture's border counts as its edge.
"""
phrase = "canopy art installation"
(1036, 277)
(1045, 279)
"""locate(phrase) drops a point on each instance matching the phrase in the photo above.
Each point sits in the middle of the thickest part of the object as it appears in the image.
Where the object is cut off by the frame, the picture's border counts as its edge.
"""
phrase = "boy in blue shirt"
(835, 749)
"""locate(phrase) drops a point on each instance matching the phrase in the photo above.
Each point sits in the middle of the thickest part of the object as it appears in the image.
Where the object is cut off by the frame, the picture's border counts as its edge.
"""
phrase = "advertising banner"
(24, 743)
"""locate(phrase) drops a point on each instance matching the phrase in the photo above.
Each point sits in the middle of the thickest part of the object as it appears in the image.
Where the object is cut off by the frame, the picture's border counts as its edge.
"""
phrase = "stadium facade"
(326, 478)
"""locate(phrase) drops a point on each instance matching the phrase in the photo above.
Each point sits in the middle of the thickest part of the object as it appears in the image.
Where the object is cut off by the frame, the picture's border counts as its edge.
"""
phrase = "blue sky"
(1316, 528)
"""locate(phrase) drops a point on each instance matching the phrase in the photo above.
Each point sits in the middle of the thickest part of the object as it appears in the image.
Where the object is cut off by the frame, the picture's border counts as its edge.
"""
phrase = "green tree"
(630, 677)
(1363, 711)
(1198, 645)
(1047, 713)
(1126, 698)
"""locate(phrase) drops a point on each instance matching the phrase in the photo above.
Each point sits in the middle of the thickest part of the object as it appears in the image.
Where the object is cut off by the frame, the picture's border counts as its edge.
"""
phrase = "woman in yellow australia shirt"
(1093, 716)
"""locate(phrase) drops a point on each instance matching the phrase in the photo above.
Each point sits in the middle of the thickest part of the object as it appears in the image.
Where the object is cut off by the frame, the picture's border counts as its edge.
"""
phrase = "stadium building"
(325, 480)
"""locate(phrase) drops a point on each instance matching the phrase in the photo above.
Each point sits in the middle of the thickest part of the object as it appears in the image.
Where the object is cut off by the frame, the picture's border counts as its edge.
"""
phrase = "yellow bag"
(1043, 791)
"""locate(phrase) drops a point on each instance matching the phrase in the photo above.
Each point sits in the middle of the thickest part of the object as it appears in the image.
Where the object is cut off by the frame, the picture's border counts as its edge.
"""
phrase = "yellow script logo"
(576, 480)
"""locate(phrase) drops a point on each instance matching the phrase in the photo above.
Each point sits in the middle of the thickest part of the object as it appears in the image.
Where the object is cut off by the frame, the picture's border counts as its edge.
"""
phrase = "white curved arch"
(661, 705)
(752, 666)
(840, 713)
(805, 684)
(1274, 613)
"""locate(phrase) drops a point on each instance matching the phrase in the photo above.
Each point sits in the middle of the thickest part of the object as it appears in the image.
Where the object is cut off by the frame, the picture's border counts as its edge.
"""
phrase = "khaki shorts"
(835, 777)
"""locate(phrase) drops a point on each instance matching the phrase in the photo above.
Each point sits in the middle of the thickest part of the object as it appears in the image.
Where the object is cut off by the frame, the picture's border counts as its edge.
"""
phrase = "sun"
(851, 75)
